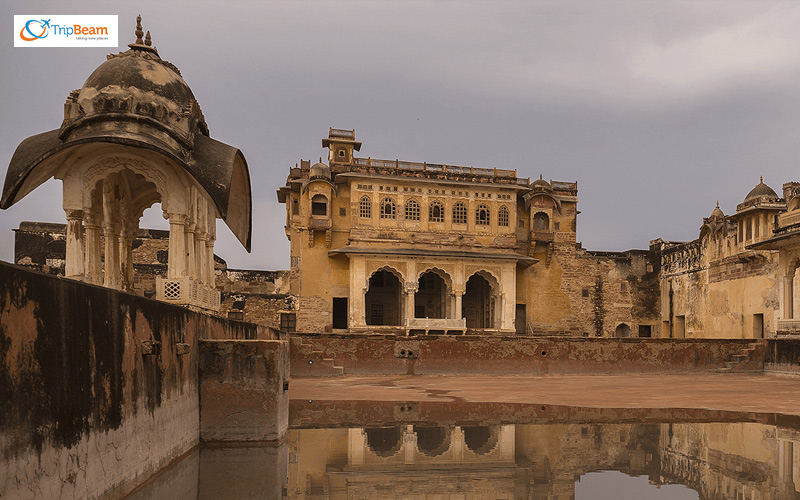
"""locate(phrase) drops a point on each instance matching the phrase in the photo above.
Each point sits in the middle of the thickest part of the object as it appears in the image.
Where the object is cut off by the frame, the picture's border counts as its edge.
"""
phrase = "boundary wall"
(332, 355)
(99, 389)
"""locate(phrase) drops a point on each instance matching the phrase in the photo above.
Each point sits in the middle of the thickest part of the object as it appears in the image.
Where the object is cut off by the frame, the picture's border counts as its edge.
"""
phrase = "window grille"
(459, 213)
(502, 216)
(482, 215)
(412, 210)
(388, 209)
(365, 207)
(436, 213)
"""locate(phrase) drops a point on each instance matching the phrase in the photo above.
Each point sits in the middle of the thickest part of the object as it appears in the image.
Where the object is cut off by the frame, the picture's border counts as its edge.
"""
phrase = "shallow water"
(498, 452)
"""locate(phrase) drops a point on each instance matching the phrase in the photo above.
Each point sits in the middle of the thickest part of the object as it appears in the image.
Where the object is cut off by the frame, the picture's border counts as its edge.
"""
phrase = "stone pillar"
(126, 256)
(788, 296)
(209, 253)
(410, 289)
(409, 445)
(74, 265)
(176, 265)
(191, 253)
(458, 294)
(112, 277)
(92, 269)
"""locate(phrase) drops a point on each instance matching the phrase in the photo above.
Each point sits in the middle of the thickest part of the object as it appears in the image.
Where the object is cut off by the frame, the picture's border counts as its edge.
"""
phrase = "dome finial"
(147, 40)
(761, 180)
(717, 203)
(540, 177)
(139, 31)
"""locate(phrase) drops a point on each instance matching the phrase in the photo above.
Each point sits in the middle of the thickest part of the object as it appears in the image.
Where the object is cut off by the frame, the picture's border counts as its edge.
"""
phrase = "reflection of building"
(382, 245)
(719, 460)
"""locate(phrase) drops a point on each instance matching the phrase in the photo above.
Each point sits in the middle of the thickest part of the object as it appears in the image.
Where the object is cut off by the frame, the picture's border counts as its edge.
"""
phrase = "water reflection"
(434, 460)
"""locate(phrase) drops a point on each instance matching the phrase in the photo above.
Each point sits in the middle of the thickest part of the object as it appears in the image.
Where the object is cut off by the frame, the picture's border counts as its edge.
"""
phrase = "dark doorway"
(645, 331)
(384, 441)
(430, 301)
(521, 319)
(758, 326)
(340, 313)
(382, 300)
(432, 441)
(477, 303)
(623, 331)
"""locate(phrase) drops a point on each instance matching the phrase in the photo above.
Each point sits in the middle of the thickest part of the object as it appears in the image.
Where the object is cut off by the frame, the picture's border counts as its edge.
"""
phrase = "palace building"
(398, 246)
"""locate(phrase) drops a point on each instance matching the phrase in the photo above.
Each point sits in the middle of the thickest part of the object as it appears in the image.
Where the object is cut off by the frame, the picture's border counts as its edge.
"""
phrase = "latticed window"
(502, 216)
(412, 210)
(388, 209)
(365, 207)
(482, 215)
(459, 213)
(436, 212)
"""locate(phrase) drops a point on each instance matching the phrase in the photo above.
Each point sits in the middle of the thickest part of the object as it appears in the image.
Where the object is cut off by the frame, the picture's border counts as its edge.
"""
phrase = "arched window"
(436, 213)
(502, 216)
(365, 207)
(412, 210)
(541, 222)
(388, 209)
(482, 215)
(319, 205)
(459, 213)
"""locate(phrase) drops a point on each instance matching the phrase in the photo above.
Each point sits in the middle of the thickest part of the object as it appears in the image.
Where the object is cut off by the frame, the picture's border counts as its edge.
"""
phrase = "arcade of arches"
(433, 299)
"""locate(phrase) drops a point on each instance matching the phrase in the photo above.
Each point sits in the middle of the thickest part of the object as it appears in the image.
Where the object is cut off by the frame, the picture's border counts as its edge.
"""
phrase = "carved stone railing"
(788, 326)
(435, 167)
(443, 324)
(186, 291)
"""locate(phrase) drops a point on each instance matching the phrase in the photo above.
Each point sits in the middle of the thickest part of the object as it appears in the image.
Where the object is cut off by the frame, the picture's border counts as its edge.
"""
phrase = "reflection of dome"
(319, 171)
(760, 190)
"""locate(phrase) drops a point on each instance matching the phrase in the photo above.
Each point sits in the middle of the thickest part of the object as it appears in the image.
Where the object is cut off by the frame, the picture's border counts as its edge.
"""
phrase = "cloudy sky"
(656, 109)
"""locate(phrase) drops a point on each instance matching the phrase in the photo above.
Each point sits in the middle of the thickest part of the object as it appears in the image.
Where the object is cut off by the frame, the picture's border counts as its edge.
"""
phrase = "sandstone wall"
(99, 388)
(330, 355)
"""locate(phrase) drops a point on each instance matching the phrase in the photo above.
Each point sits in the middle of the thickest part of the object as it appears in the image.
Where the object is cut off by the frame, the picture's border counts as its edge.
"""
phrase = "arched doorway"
(623, 331)
(478, 303)
(430, 301)
(383, 299)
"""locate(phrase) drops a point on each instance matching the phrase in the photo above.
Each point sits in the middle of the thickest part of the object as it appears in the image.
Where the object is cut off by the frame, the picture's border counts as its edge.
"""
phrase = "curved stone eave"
(213, 165)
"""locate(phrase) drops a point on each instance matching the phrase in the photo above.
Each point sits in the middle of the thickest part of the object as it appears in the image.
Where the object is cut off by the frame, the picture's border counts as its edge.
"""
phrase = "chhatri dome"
(759, 191)
(134, 135)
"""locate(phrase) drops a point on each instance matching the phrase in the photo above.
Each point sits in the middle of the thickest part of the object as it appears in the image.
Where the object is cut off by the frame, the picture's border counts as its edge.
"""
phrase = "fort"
(125, 349)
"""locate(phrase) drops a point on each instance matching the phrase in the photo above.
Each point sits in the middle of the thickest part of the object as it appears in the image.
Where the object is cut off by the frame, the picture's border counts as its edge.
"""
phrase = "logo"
(65, 31)
(28, 35)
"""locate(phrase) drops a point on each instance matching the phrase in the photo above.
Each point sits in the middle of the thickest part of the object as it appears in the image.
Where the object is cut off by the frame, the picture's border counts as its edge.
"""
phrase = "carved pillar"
(74, 265)
(191, 252)
(93, 268)
(788, 296)
(409, 444)
(209, 276)
(458, 294)
(112, 277)
(176, 265)
(410, 289)
(126, 256)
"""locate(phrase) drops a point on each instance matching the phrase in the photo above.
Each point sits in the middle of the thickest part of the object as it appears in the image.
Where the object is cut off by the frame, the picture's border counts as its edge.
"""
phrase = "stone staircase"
(314, 362)
(735, 363)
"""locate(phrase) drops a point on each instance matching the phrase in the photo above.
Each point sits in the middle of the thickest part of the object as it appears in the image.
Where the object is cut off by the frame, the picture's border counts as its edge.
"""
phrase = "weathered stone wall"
(244, 390)
(782, 355)
(99, 388)
(330, 355)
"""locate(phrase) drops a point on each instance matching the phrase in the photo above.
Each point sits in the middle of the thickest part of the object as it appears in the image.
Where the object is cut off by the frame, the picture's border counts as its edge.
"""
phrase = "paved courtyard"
(749, 392)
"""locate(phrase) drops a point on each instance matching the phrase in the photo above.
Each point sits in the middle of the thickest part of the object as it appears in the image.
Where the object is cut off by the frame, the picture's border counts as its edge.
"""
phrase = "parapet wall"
(782, 356)
(330, 355)
(98, 388)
